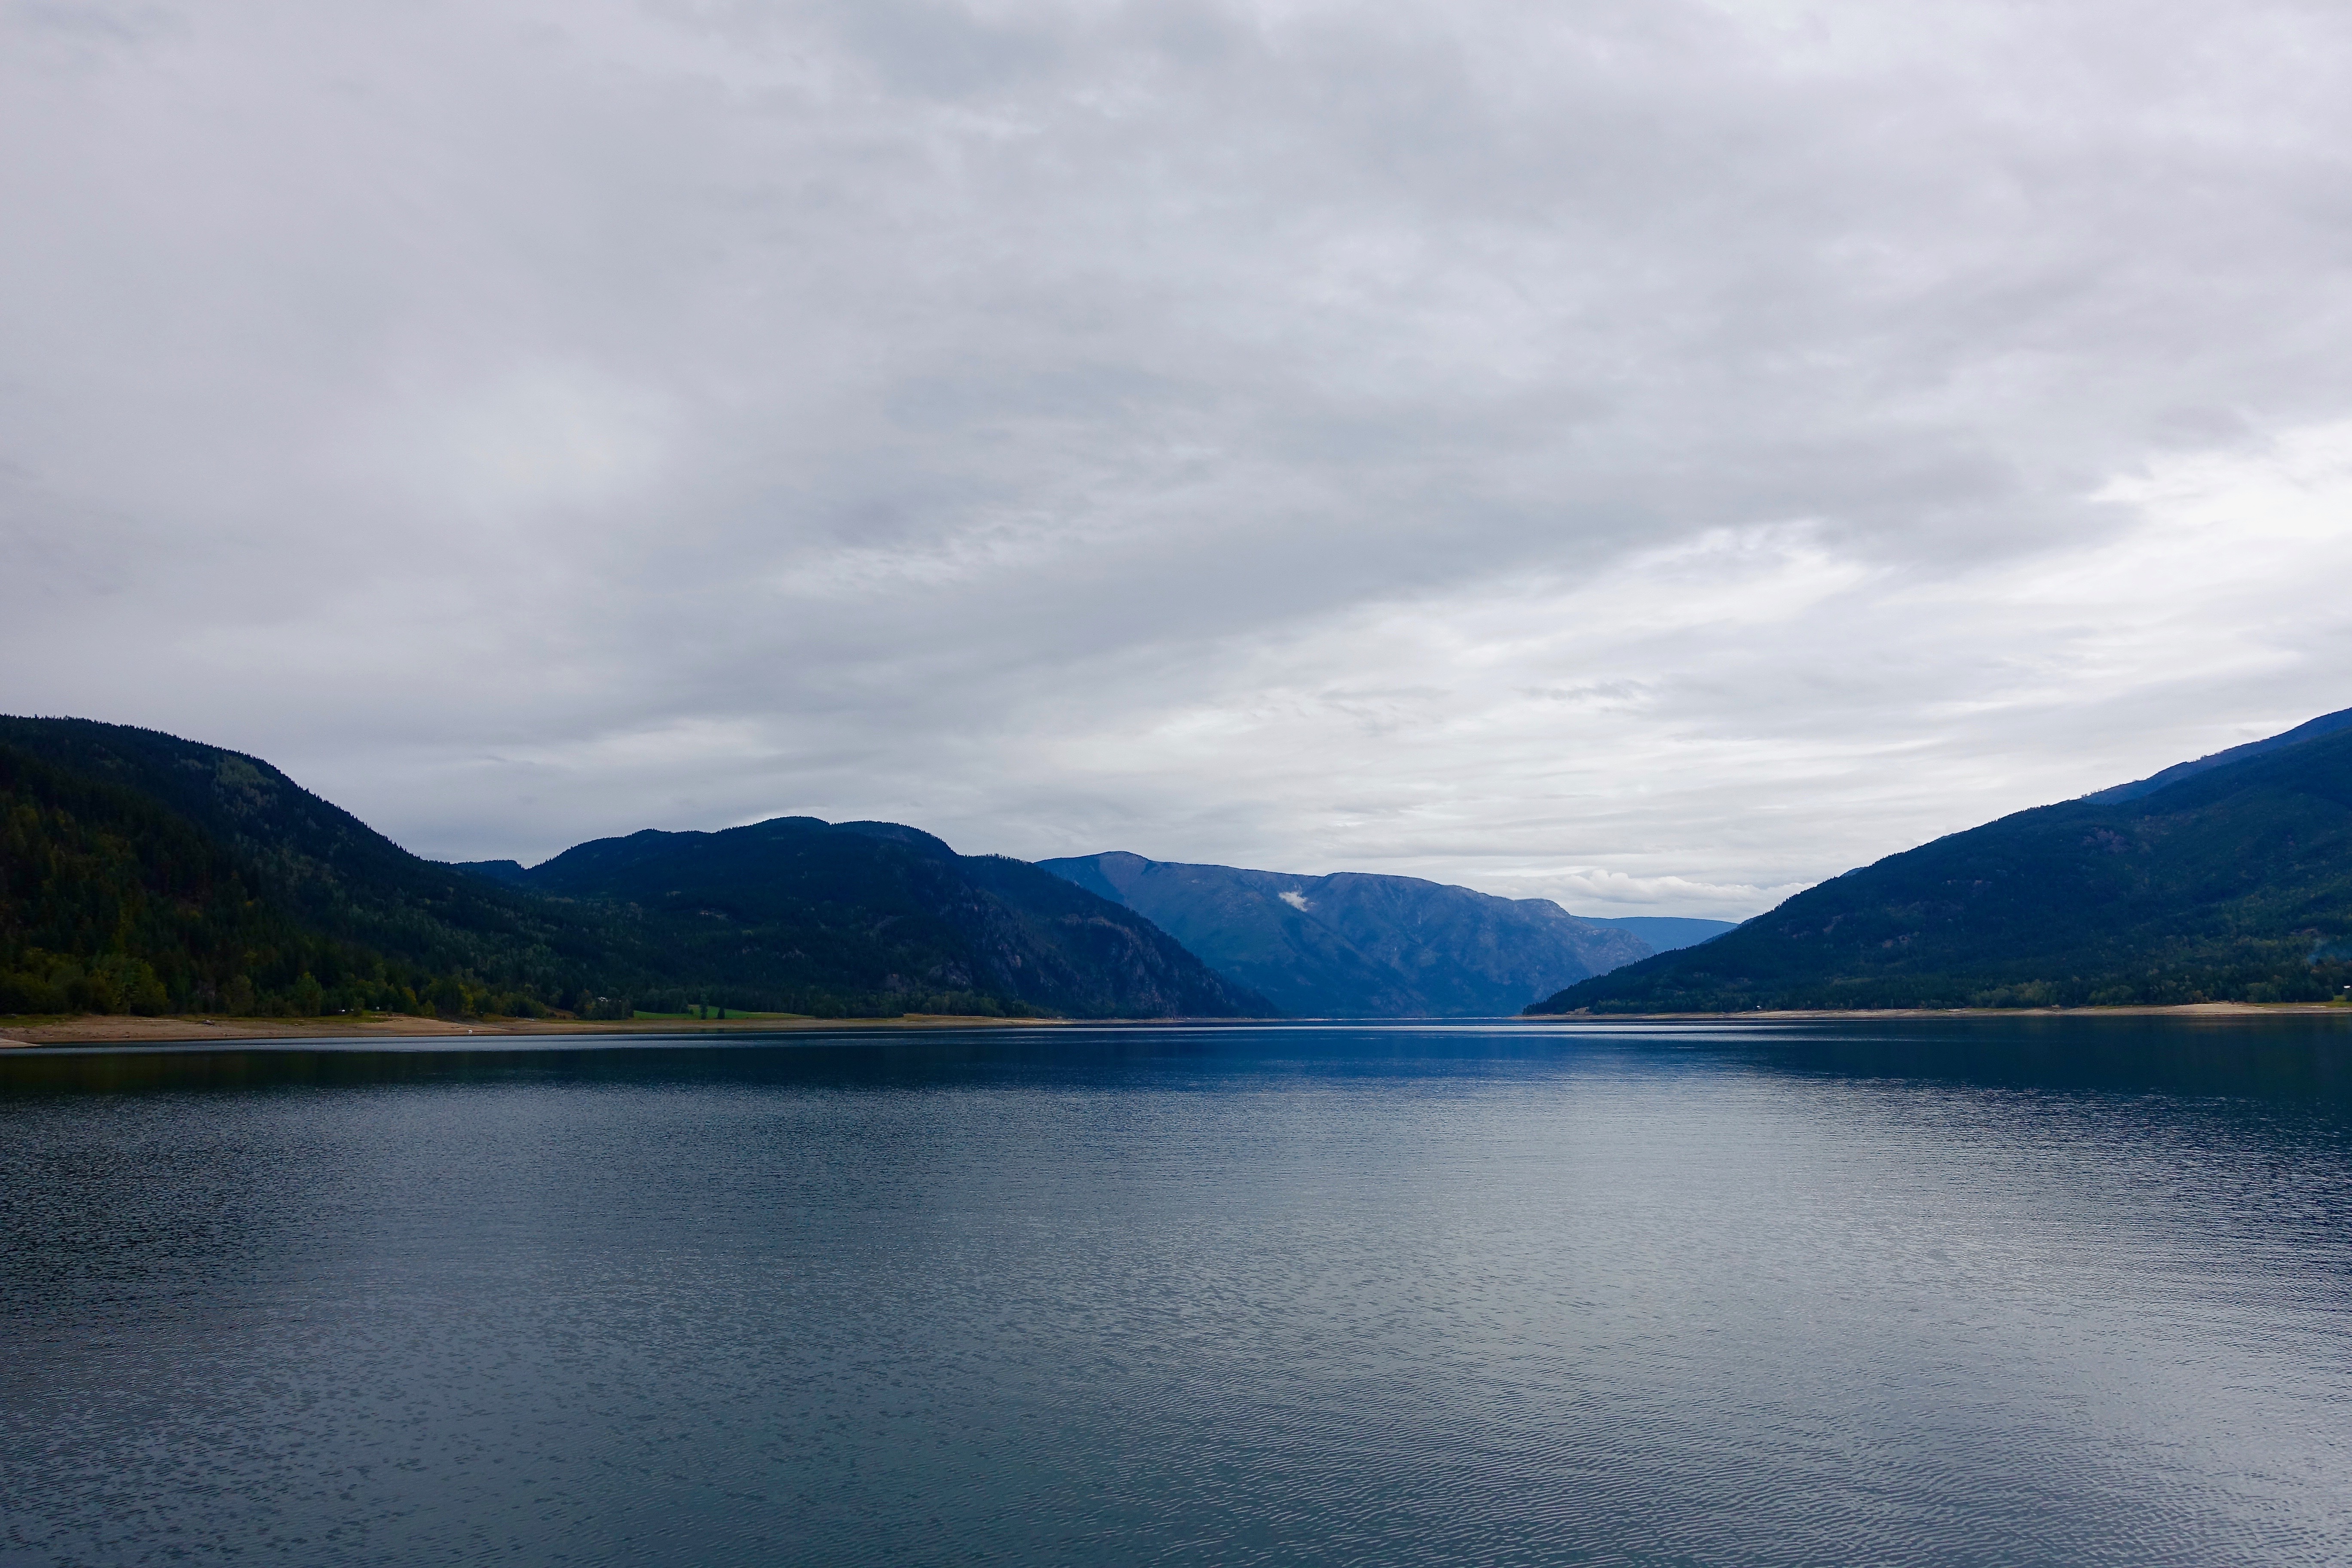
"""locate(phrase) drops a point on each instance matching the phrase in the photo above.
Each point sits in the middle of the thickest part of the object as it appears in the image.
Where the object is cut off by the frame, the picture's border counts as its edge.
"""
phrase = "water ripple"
(1256, 1297)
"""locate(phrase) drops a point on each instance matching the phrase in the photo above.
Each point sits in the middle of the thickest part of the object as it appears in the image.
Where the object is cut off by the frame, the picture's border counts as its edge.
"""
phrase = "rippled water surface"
(2032, 1291)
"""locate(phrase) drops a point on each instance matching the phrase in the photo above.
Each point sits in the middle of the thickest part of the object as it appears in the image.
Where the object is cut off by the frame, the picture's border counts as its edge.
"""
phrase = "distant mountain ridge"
(1667, 933)
(1354, 944)
(2228, 878)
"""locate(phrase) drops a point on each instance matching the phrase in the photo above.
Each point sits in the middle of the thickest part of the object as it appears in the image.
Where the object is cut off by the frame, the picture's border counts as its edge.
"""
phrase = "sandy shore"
(115, 1029)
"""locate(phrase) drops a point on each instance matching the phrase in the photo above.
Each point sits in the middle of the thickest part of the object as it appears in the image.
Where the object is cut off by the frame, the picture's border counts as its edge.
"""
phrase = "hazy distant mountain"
(2227, 879)
(1663, 932)
(1354, 945)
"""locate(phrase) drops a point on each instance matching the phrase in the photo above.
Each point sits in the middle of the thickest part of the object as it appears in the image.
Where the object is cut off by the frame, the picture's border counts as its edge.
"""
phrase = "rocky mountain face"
(1358, 945)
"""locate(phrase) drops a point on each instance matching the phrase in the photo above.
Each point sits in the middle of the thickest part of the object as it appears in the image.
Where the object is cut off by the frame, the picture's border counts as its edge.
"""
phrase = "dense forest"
(2232, 882)
(144, 873)
(794, 907)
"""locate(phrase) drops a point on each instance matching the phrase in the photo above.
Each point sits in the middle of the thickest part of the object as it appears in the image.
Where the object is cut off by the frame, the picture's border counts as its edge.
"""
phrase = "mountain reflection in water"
(1950, 1292)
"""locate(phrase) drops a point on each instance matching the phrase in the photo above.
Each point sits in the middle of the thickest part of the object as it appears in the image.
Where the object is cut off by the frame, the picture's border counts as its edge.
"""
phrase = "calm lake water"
(2008, 1291)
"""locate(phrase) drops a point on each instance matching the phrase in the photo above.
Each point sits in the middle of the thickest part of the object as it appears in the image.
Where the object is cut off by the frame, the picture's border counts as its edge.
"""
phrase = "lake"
(1968, 1291)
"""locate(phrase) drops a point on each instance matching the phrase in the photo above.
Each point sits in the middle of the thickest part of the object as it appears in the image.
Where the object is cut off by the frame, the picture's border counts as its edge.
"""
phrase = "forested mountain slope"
(1356, 945)
(141, 872)
(789, 907)
(2232, 882)
(2309, 730)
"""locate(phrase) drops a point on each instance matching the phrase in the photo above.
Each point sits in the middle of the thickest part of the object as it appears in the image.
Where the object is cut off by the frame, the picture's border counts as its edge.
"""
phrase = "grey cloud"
(531, 421)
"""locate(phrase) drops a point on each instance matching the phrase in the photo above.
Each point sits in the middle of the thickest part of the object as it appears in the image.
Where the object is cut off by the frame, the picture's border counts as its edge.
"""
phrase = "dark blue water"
(2039, 1292)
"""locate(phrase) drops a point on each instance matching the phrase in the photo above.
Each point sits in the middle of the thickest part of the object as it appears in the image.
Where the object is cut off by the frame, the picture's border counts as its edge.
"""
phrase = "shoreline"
(1813, 1015)
(124, 1029)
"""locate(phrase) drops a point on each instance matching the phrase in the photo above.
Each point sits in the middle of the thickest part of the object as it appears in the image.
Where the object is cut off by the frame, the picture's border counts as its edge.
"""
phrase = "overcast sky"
(1651, 454)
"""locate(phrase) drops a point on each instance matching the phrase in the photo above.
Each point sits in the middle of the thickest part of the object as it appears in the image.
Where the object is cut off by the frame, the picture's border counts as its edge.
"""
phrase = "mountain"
(2228, 880)
(1663, 934)
(1354, 945)
(2310, 729)
(508, 871)
(787, 911)
(139, 872)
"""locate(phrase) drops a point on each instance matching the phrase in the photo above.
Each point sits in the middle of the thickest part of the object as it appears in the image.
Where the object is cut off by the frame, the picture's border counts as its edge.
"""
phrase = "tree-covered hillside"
(144, 873)
(806, 914)
(2234, 883)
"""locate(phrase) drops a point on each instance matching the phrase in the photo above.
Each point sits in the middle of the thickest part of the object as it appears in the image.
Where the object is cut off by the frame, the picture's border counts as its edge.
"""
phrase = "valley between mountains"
(147, 877)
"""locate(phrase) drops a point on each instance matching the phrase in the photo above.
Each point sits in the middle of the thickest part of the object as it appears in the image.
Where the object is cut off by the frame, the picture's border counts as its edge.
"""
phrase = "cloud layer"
(1656, 454)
